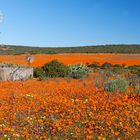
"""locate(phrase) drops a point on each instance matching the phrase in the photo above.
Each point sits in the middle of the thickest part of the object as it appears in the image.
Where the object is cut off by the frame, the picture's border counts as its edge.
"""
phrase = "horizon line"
(122, 44)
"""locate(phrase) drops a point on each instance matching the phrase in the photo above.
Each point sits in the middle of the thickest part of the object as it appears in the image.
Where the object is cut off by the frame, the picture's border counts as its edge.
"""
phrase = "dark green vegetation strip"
(16, 50)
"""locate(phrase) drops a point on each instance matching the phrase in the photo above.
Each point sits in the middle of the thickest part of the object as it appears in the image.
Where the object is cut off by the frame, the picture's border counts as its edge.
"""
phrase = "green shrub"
(122, 84)
(56, 69)
(133, 80)
(117, 65)
(108, 72)
(106, 65)
(39, 73)
(78, 71)
(119, 70)
(118, 85)
(94, 65)
(135, 69)
(110, 86)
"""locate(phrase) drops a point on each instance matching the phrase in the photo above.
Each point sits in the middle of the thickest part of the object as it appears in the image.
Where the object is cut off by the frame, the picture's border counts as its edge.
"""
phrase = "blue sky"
(51, 23)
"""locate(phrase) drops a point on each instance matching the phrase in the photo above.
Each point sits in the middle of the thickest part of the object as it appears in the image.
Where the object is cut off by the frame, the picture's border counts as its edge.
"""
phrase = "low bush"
(106, 65)
(108, 72)
(78, 71)
(118, 85)
(56, 69)
(133, 80)
(110, 86)
(94, 65)
(122, 84)
(135, 69)
(39, 73)
(117, 65)
(119, 70)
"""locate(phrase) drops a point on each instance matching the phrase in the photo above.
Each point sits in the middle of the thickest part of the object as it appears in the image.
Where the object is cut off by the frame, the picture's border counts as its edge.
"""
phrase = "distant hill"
(16, 50)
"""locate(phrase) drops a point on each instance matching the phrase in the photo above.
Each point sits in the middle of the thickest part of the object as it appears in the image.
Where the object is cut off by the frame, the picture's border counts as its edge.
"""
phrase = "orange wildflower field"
(72, 109)
(69, 109)
(41, 59)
